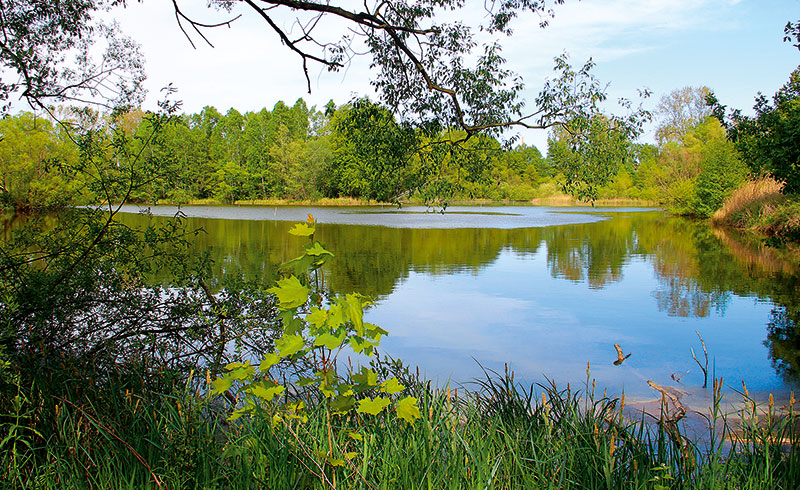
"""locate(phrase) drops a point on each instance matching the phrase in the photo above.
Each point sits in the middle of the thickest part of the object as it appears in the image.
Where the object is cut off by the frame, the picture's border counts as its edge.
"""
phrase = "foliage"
(60, 52)
(79, 297)
(680, 111)
(588, 165)
(315, 330)
(435, 71)
(768, 142)
(295, 153)
(792, 33)
(37, 164)
(695, 175)
(501, 435)
(722, 172)
(371, 152)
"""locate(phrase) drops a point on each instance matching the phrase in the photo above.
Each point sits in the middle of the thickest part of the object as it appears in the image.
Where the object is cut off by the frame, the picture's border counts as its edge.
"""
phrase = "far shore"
(559, 200)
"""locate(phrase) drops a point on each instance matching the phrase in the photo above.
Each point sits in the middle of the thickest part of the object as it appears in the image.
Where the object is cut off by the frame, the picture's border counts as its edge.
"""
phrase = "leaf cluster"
(315, 331)
(48, 52)
(768, 141)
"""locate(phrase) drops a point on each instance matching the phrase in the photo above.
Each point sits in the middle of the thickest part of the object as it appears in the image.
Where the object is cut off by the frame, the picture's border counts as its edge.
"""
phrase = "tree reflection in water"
(698, 269)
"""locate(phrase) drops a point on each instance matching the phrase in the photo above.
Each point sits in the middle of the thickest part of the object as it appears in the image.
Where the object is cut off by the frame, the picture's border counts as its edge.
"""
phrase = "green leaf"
(330, 341)
(326, 389)
(356, 310)
(374, 332)
(289, 345)
(317, 250)
(336, 316)
(362, 345)
(247, 408)
(305, 381)
(291, 324)
(302, 229)
(221, 385)
(290, 292)
(342, 404)
(407, 409)
(238, 413)
(298, 265)
(265, 391)
(392, 386)
(241, 372)
(268, 361)
(317, 317)
(373, 406)
(334, 461)
(366, 379)
(344, 389)
(355, 436)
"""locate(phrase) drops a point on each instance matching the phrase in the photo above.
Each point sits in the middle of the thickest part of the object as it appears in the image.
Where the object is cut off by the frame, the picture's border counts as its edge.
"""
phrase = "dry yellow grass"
(760, 196)
(566, 200)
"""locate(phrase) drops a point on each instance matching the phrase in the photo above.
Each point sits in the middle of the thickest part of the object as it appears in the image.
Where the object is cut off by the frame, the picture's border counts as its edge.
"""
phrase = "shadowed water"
(545, 290)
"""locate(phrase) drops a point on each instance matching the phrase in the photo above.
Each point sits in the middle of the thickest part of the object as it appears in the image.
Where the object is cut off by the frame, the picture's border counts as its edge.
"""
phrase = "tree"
(680, 111)
(434, 72)
(591, 162)
(722, 170)
(371, 151)
(36, 164)
(769, 141)
(48, 55)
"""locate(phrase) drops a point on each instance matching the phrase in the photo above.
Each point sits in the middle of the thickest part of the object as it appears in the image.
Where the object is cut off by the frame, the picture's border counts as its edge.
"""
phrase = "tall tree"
(588, 163)
(679, 111)
(371, 151)
(769, 141)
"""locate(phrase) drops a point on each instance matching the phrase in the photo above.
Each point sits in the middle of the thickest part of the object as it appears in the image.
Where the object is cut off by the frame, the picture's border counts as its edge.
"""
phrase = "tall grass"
(497, 435)
(759, 206)
(749, 202)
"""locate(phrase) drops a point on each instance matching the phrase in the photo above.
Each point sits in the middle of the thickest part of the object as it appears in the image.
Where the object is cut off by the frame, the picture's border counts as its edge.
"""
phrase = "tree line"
(360, 150)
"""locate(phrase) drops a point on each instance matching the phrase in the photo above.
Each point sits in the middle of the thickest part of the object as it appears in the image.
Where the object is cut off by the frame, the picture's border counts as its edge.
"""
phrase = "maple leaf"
(373, 406)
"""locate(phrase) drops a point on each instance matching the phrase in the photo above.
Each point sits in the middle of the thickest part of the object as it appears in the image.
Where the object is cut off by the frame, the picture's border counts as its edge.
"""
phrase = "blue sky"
(735, 47)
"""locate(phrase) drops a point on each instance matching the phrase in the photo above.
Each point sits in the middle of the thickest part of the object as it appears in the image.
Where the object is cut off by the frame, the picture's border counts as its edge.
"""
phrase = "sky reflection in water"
(520, 286)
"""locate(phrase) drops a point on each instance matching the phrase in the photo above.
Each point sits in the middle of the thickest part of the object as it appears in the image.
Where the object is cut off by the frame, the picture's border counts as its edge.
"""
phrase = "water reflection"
(549, 299)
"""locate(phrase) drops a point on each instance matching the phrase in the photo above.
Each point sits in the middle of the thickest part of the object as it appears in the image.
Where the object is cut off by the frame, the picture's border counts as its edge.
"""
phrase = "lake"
(543, 290)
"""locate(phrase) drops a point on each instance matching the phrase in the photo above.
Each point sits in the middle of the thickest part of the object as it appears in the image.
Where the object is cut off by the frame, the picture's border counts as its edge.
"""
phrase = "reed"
(750, 202)
(495, 435)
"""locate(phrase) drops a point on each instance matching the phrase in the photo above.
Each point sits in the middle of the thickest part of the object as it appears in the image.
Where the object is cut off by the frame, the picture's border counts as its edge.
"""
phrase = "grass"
(565, 200)
(550, 200)
(759, 206)
(497, 436)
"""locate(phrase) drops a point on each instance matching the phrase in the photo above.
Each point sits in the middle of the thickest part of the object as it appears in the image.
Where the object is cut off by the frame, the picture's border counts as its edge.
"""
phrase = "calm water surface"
(545, 290)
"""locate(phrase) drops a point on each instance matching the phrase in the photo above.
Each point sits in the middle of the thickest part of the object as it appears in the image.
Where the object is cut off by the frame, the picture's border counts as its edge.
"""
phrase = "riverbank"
(557, 200)
(759, 207)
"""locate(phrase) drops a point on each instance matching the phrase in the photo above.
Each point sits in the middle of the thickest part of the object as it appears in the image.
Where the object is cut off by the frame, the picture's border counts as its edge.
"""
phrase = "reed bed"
(494, 435)
(747, 204)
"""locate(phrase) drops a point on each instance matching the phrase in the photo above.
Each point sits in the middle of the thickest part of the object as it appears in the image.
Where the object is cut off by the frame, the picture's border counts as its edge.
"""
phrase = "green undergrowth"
(494, 435)
(302, 418)
(778, 221)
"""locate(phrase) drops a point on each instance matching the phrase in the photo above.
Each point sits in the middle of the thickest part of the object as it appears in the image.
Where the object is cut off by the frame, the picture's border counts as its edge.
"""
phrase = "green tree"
(37, 165)
(371, 152)
(769, 141)
(722, 171)
(592, 161)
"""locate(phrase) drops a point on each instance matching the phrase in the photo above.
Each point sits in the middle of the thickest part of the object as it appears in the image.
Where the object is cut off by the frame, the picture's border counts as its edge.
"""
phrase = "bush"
(723, 171)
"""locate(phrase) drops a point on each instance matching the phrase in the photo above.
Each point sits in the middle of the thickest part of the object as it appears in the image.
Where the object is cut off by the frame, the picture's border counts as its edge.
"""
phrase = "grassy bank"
(497, 436)
(554, 200)
(760, 207)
